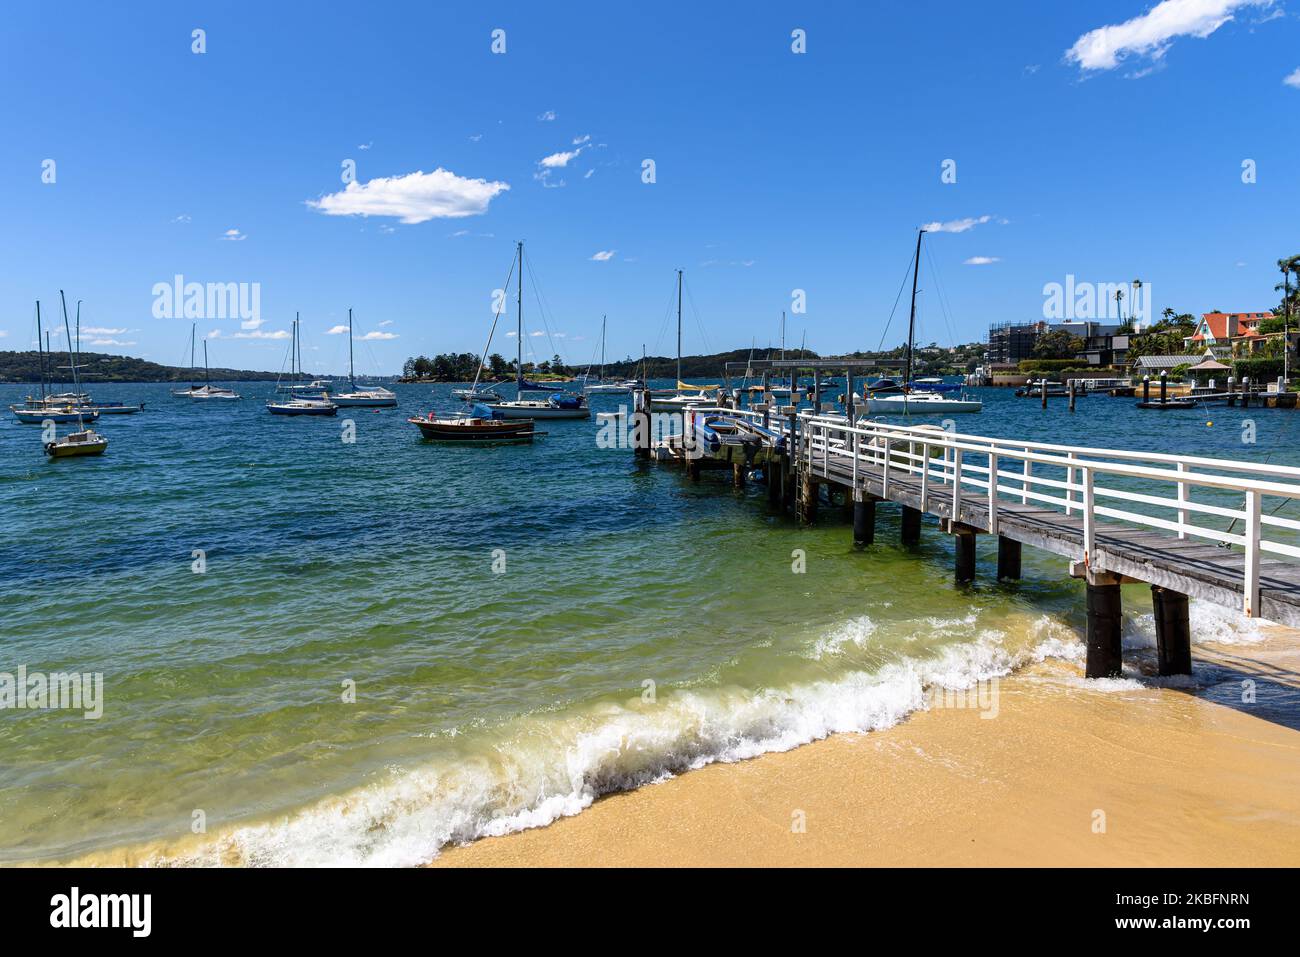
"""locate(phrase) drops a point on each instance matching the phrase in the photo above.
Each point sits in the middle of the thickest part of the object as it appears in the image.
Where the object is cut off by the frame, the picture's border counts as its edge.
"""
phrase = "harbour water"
(523, 628)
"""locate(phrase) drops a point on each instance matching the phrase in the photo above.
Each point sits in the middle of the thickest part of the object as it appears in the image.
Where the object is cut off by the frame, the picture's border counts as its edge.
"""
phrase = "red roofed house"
(1224, 328)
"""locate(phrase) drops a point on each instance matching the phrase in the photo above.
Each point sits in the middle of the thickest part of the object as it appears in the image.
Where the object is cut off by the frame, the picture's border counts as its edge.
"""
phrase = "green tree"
(1057, 344)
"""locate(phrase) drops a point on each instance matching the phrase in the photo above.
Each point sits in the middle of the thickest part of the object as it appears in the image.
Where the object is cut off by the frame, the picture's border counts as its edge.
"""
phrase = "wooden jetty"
(1188, 526)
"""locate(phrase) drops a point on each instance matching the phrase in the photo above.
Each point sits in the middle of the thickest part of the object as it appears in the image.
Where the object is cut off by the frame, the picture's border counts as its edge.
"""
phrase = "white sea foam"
(1210, 624)
(552, 765)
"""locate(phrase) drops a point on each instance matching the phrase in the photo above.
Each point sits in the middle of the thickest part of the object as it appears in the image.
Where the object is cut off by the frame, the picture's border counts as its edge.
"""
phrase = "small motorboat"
(297, 406)
(474, 427)
(478, 395)
(920, 403)
(86, 442)
(1168, 404)
(36, 415)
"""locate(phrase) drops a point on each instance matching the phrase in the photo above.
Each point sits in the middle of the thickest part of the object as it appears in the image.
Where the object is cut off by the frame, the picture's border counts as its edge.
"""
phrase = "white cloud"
(1293, 79)
(475, 137)
(336, 330)
(108, 342)
(957, 225)
(366, 146)
(547, 117)
(604, 256)
(234, 235)
(3, 333)
(579, 140)
(414, 198)
(385, 322)
(376, 334)
(537, 333)
(1152, 33)
(102, 331)
(182, 218)
(557, 160)
(259, 334)
(981, 261)
(587, 175)
(251, 323)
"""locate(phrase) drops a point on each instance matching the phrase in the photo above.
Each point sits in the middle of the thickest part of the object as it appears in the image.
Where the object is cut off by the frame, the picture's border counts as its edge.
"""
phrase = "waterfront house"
(1228, 329)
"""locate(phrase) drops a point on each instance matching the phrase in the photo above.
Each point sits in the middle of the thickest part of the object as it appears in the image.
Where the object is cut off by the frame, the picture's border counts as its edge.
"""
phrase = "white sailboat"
(85, 441)
(686, 395)
(600, 386)
(207, 390)
(909, 400)
(297, 404)
(547, 405)
(368, 397)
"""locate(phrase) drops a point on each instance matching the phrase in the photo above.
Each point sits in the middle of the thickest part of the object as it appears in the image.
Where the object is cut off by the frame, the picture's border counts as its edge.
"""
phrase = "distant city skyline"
(285, 161)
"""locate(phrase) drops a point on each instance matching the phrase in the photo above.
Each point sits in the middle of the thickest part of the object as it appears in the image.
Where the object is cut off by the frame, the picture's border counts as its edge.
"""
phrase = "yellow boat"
(88, 442)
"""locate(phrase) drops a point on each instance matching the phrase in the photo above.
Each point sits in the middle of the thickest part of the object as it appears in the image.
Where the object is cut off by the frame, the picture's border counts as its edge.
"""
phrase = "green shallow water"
(485, 701)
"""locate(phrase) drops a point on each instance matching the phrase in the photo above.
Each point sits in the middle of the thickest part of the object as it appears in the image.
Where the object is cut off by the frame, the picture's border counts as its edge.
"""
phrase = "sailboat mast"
(519, 325)
(602, 348)
(298, 342)
(911, 322)
(40, 351)
(352, 375)
(679, 328)
(76, 381)
(207, 378)
(193, 329)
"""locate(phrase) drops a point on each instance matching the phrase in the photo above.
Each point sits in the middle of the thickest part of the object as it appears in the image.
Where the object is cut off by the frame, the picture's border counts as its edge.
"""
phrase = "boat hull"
(906, 405)
(69, 450)
(477, 431)
(276, 409)
(344, 402)
(529, 412)
(39, 416)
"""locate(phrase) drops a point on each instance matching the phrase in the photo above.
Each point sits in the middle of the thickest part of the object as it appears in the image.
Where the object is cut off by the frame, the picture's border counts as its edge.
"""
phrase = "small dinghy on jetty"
(85, 441)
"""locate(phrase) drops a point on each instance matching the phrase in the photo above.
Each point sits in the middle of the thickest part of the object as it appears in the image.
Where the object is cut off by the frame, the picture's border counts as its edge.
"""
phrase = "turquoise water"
(487, 698)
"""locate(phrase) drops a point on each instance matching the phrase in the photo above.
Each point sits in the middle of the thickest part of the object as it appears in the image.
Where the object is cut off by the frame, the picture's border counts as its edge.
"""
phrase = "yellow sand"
(1179, 780)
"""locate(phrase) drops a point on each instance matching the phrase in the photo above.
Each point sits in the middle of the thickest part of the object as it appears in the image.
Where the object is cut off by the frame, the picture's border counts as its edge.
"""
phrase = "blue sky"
(775, 171)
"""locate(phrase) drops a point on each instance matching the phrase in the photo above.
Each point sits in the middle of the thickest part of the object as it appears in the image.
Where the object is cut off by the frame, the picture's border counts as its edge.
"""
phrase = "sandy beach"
(1115, 773)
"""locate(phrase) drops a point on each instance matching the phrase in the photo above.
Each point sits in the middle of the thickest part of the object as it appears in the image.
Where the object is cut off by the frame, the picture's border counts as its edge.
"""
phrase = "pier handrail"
(892, 448)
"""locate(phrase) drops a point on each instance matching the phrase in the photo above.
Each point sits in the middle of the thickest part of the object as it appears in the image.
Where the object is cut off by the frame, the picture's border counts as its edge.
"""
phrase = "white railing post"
(1250, 598)
(925, 476)
(956, 485)
(889, 444)
(993, 493)
(1024, 485)
(1182, 497)
(1069, 480)
(1089, 520)
(856, 444)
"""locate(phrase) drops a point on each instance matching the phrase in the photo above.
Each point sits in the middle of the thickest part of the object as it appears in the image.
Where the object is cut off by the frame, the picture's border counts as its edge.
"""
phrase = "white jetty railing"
(1091, 483)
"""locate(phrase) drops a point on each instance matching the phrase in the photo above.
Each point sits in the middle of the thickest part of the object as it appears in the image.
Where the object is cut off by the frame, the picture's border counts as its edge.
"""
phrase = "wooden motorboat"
(473, 428)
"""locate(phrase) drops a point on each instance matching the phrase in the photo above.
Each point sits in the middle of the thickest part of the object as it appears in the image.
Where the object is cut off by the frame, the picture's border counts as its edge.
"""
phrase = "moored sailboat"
(298, 404)
(85, 441)
(369, 397)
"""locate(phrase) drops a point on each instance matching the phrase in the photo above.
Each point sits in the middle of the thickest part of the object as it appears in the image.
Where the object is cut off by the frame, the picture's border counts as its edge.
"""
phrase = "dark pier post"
(864, 518)
(1146, 388)
(807, 498)
(1173, 631)
(963, 537)
(1104, 654)
(1245, 392)
(911, 527)
(692, 468)
(1072, 387)
(1008, 558)
(641, 424)
(1164, 386)
(1232, 390)
(772, 474)
(1042, 389)
(738, 474)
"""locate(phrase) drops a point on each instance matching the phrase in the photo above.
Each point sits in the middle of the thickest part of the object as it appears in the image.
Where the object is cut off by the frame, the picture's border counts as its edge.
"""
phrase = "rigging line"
(668, 314)
(695, 312)
(483, 358)
(901, 287)
(544, 308)
(943, 295)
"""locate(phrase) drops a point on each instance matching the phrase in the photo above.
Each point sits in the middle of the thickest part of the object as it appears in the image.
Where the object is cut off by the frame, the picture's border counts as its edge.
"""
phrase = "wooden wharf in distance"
(1187, 526)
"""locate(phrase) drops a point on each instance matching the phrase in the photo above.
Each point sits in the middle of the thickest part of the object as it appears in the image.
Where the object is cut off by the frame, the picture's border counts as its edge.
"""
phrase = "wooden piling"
(1042, 389)
(1164, 386)
(864, 518)
(807, 497)
(911, 526)
(1103, 629)
(641, 425)
(772, 475)
(1173, 631)
(738, 474)
(964, 539)
(1008, 558)
(1072, 387)
(1146, 388)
